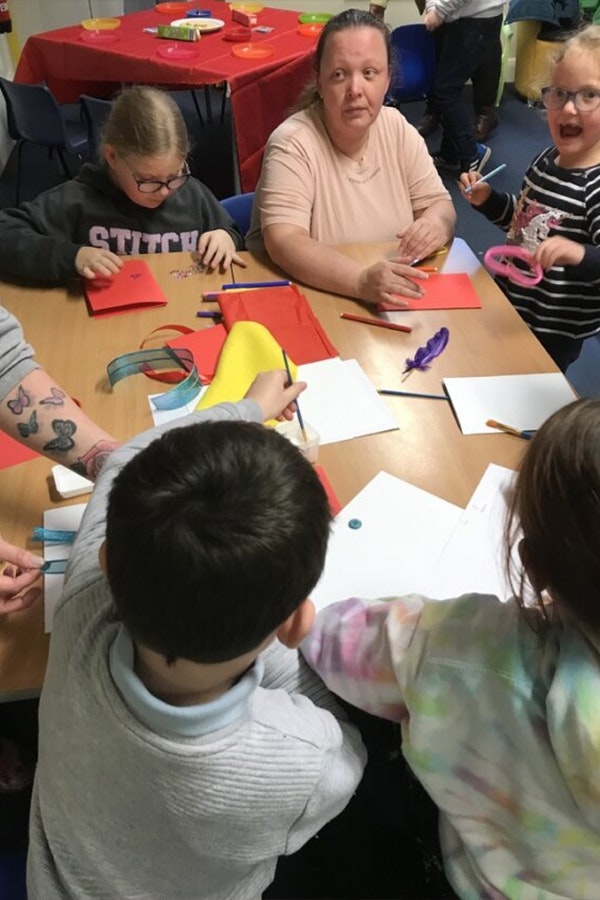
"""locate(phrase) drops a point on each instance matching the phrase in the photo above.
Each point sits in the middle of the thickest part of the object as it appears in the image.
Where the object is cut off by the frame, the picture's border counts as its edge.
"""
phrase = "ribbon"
(146, 361)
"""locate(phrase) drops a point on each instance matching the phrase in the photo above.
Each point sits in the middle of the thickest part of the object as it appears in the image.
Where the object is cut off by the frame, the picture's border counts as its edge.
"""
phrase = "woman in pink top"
(346, 169)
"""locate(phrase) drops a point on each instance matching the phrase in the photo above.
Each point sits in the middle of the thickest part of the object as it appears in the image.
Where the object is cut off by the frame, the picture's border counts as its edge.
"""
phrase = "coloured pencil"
(508, 429)
(298, 413)
(485, 178)
(254, 284)
(392, 393)
(378, 322)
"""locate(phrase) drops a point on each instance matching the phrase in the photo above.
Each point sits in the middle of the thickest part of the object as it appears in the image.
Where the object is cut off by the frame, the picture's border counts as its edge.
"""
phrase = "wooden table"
(428, 450)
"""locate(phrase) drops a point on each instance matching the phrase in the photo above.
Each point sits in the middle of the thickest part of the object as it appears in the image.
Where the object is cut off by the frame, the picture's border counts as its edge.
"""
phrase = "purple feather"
(426, 354)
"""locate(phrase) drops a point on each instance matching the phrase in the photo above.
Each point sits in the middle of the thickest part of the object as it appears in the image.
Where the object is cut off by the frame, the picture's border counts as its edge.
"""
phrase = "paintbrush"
(508, 429)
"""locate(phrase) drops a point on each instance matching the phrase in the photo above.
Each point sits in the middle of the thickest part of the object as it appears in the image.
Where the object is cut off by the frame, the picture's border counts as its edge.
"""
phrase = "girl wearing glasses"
(141, 198)
(557, 216)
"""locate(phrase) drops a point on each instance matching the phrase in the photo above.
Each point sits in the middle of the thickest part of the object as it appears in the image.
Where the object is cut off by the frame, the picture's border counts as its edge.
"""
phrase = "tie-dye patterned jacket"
(501, 724)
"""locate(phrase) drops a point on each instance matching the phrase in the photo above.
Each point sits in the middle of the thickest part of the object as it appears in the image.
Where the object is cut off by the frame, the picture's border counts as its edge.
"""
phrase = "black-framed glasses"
(151, 186)
(585, 100)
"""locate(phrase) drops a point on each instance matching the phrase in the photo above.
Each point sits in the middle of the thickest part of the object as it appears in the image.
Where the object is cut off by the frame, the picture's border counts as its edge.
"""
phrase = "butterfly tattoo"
(64, 429)
(20, 402)
(29, 428)
(57, 398)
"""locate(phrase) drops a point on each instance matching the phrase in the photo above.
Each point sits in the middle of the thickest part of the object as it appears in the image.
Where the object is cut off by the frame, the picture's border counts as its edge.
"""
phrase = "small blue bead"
(354, 523)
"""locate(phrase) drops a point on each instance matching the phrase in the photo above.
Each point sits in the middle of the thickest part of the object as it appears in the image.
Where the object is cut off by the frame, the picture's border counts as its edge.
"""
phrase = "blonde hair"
(146, 122)
(588, 38)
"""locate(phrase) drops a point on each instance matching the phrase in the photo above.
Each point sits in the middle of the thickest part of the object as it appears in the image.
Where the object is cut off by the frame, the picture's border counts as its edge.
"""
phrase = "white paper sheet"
(161, 416)
(340, 402)
(403, 531)
(521, 401)
(473, 558)
(66, 518)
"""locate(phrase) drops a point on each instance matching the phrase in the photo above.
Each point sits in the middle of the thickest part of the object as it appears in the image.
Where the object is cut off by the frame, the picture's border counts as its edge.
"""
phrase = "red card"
(133, 287)
(287, 315)
(334, 503)
(205, 346)
(12, 452)
(441, 292)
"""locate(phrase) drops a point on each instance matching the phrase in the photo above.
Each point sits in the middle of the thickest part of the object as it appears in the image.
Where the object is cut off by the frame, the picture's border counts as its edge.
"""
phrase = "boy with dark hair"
(175, 759)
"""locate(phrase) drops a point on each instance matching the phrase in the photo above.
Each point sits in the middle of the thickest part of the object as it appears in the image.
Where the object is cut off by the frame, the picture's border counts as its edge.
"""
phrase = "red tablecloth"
(262, 90)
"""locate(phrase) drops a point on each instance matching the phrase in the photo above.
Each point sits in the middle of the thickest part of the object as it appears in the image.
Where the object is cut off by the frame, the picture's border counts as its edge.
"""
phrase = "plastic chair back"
(239, 208)
(414, 64)
(34, 115)
(95, 113)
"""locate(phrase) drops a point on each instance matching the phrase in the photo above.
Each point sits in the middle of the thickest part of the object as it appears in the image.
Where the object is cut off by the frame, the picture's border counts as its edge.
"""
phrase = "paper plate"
(253, 51)
(203, 25)
(99, 37)
(252, 9)
(311, 29)
(319, 18)
(100, 24)
(172, 9)
(177, 51)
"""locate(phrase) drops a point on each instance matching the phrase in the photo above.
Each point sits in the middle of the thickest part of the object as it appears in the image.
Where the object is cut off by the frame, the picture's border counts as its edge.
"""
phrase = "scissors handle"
(497, 260)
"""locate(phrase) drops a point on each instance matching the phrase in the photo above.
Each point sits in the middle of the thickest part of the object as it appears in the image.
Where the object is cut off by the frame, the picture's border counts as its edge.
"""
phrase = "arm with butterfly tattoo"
(37, 412)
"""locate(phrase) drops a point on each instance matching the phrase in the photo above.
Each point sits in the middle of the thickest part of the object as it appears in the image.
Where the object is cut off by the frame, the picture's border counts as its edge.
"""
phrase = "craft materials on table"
(148, 361)
(440, 291)
(392, 393)
(508, 429)
(425, 355)
(364, 320)
(132, 288)
(394, 538)
(66, 518)
(526, 401)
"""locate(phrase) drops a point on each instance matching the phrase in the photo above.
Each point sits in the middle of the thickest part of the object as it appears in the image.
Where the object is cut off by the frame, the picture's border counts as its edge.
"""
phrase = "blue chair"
(95, 113)
(33, 115)
(413, 73)
(239, 208)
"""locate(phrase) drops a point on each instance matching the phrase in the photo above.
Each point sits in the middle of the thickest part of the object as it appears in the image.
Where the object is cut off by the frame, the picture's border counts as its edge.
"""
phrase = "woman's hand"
(379, 282)
(420, 239)
(19, 570)
(479, 193)
(275, 396)
(217, 250)
(558, 251)
(92, 262)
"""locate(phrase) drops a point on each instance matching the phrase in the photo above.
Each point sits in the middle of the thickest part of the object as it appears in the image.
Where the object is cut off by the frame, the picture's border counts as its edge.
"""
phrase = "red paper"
(287, 315)
(133, 287)
(12, 452)
(334, 504)
(205, 346)
(441, 292)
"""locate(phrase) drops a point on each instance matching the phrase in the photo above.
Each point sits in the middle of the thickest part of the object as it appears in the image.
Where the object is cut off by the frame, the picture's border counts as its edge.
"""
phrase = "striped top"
(554, 201)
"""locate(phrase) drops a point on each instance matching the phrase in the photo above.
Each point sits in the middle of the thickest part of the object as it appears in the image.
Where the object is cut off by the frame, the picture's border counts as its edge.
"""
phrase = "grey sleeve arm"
(16, 355)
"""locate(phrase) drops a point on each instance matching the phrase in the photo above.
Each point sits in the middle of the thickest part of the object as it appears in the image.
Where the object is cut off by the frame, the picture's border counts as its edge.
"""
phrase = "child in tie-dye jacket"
(500, 704)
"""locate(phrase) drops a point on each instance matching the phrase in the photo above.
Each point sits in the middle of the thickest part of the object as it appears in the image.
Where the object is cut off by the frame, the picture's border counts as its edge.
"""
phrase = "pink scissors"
(497, 259)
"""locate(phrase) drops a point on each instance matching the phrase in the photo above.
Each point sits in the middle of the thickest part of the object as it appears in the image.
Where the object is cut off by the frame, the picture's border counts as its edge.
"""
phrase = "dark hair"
(146, 122)
(215, 534)
(350, 18)
(556, 502)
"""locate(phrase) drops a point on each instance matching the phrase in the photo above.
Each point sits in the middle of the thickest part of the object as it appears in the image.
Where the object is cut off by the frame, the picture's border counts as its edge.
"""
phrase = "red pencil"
(379, 322)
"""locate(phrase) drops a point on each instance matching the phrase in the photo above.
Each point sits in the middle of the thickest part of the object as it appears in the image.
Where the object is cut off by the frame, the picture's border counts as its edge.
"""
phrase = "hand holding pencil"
(275, 395)
(475, 187)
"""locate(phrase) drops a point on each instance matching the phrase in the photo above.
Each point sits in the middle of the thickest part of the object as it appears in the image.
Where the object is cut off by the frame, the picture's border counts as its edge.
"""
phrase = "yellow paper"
(250, 348)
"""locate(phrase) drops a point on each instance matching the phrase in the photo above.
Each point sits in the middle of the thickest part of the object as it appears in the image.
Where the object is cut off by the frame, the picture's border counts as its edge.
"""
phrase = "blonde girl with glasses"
(557, 216)
(139, 198)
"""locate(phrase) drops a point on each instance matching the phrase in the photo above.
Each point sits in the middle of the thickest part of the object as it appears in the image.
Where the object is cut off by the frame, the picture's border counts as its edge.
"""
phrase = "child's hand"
(480, 192)
(19, 569)
(217, 250)
(92, 262)
(272, 393)
(558, 251)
